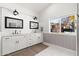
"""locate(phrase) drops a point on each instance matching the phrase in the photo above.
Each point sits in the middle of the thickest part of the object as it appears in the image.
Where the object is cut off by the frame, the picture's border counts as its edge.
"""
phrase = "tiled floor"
(30, 51)
(54, 50)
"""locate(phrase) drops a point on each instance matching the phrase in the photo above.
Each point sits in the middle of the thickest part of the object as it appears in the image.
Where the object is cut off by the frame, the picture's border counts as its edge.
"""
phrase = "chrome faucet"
(15, 31)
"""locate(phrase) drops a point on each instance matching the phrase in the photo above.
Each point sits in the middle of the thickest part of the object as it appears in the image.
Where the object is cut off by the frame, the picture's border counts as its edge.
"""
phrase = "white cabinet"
(28, 40)
(20, 42)
(36, 38)
(8, 45)
(39, 38)
(11, 44)
(17, 42)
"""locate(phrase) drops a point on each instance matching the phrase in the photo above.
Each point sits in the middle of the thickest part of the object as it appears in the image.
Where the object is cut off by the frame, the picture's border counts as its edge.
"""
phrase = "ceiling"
(36, 7)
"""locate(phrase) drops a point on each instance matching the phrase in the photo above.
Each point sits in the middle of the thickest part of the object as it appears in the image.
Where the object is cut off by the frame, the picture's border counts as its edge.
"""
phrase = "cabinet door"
(16, 42)
(33, 39)
(22, 42)
(8, 45)
(39, 38)
(36, 38)
(28, 40)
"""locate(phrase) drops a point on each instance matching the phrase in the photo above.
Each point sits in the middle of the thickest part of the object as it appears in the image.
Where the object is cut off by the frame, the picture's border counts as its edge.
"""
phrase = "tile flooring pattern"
(30, 51)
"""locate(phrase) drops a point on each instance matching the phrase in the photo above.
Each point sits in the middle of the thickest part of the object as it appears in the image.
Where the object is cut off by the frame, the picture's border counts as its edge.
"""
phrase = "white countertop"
(66, 33)
(19, 34)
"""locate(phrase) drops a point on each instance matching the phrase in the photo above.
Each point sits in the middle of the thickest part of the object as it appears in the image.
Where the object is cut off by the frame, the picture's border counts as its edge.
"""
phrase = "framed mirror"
(13, 23)
(34, 25)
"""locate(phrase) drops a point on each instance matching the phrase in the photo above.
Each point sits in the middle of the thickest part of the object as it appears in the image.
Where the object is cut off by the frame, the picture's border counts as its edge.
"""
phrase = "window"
(55, 25)
(63, 24)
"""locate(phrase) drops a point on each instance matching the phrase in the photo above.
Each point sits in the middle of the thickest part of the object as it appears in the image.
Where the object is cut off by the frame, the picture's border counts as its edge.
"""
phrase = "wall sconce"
(15, 12)
(35, 18)
(41, 29)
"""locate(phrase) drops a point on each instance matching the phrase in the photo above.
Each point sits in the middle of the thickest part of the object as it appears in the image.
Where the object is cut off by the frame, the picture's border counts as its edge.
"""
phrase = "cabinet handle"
(17, 41)
(7, 38)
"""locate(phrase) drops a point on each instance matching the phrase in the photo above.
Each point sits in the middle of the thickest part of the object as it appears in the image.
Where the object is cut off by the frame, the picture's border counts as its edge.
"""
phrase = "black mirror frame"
(34, 22)
(13, 19)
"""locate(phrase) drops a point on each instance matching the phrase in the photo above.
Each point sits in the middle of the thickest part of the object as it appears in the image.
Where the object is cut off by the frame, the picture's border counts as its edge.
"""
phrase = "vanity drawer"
(6, 37)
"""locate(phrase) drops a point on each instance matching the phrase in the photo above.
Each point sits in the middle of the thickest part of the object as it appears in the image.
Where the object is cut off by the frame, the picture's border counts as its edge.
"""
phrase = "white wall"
(0, 33)
(56, 10)
(24, 14)
(13, 6)
(0, 43)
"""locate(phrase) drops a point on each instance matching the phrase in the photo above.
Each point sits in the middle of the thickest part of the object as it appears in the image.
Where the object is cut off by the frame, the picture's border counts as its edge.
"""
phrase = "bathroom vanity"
(16, 42)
